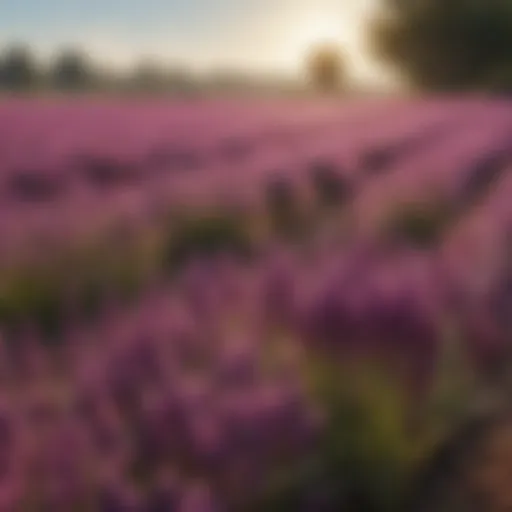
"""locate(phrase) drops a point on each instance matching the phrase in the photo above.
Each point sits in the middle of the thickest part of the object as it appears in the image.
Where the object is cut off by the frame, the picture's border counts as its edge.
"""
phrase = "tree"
(325, 68)
(148, 76)
(455, 45)
(71, 71)
(179, 80)
(18, 69)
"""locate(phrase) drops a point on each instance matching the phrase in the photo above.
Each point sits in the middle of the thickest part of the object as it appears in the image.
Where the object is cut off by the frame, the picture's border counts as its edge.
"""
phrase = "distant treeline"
(427, 45)
(72, 70)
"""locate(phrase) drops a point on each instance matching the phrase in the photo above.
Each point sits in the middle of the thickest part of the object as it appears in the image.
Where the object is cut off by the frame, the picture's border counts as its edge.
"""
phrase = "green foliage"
(499, 81)
(298, 487)
(18, 69)
(91, 295)
(148, 76)
(419, 223)
(43, 294)
(453, 392)
(206, 235)
(447, 46)
(34, 297)
(71, 71)
(367, 447)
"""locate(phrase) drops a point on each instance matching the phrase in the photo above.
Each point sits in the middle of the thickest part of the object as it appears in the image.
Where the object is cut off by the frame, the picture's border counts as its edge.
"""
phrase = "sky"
(259, 35)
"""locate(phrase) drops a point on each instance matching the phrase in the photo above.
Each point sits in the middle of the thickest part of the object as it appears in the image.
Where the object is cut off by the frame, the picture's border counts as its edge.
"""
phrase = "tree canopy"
(18, 69)
(71, 70)
(447, 45)
(325, 67)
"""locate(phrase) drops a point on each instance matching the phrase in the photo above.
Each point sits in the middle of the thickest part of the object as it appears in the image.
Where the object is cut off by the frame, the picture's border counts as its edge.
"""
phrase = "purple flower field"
(238, 306)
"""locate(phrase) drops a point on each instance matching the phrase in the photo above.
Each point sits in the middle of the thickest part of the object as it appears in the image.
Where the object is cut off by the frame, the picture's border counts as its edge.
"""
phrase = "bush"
(368, 450)
(18, 68)
(33, 297)
(206, 235)
(420, 224)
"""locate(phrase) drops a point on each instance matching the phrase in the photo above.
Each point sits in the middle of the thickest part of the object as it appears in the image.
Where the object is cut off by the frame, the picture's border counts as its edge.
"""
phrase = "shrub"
(420, 224)
(368, 450)
(33, 297)
(206, 235)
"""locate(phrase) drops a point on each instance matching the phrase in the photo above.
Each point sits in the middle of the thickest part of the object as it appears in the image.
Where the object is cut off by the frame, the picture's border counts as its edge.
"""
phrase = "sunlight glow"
(312, 29)
(318, 31)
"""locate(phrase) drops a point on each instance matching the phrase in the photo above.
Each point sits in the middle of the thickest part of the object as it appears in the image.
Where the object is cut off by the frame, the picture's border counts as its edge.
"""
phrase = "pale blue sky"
(254, 34)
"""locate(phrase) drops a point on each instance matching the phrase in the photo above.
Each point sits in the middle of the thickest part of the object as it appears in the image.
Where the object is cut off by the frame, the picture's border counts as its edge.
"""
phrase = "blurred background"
(204, 46)
(179, 46)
